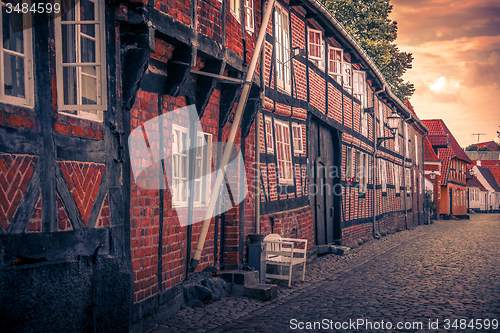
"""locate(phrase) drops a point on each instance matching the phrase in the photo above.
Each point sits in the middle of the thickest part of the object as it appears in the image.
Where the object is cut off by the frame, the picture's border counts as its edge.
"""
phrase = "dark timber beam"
(205, 84)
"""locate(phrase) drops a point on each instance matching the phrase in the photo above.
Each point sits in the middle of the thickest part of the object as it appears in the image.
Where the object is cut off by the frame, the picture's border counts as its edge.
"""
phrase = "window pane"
(69, 82)
(89, 86)
(88, 49)
(68, 43)
(12, 40)
(69, 15)
(14, 75)
(87, 10)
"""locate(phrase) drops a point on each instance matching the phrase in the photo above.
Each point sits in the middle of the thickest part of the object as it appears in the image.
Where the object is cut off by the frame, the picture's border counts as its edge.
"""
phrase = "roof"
(488, 144)
(438, 140)
(488, 177)
(429, 154)
(473, 182)
(437, 127)
(495, 171)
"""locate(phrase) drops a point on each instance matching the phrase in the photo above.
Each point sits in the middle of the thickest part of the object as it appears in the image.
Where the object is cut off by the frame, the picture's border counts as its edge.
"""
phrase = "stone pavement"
(444, 271)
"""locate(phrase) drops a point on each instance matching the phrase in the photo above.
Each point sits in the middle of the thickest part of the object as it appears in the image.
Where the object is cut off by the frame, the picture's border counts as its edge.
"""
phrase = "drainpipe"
(232, 134)
(404, 172)
(374, 168)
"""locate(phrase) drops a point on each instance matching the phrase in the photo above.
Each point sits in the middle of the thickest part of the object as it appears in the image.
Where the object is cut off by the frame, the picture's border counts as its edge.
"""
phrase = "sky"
(456, 66)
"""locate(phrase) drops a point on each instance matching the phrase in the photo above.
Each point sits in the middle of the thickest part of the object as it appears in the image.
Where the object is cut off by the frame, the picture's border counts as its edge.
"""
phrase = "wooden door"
(324, 157)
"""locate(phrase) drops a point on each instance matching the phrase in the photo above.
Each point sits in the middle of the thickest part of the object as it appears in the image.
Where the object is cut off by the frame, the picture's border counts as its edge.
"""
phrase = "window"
(415, 181)
(298, 146)
(335, 59)
(381, 118)
(349, 170)
(283, 152)
(234, 8)
(249, 20)
(80, 60)
(364, 181)
(383, 175)
(16, 72)
(359, 91)
(269, 135)
(395, 171)
(416, 150)
(316, 47)
(282, 39)
(396, 140)
(358, 79)
(362, 170)
(347, 77)
(408, 179)
(406, 141)
(180, 167)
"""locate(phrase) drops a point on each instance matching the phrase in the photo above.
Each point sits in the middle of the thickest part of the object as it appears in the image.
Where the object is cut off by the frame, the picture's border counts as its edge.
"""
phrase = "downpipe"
(376, 235)
(232, 134)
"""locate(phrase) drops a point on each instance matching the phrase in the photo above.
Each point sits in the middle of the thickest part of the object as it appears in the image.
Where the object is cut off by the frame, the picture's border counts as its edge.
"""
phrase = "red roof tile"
(495, 170)
(489, 144)
(429, 154)
(438, 128)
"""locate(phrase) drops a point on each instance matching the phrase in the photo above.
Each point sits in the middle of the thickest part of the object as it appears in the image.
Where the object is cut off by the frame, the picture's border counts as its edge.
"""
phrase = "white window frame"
(416, 150)
(408, 180)
(311, 44)
(27, 55)
(383, 175)
(407, 147)
(202, 177)
(335, 65)
(359, 82)
(396, 140)
(317, 59)
(92, 111)
(283, 152)
(347, 76)
(268, 124)
(249, 16)
(349, 168)
(395, 171)
(381, 119)
(298, 138)
(282, 47)
(365, 173)
(234, 8)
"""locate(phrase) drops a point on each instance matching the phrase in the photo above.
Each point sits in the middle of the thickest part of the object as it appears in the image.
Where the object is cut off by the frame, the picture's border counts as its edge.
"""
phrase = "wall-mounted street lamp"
(432, 175)
(295, 52)
(472, 172)
(393, 124)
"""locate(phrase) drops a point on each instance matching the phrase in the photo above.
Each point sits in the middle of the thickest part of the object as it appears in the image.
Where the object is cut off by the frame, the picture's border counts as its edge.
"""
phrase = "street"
(443, 277)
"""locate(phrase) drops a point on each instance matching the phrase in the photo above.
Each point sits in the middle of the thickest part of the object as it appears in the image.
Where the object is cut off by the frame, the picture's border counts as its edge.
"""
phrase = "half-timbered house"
(84, 245)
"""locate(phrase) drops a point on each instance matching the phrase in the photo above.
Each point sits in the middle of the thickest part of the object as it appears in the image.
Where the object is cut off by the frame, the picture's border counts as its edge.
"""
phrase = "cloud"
(426, 21)
(483, 73)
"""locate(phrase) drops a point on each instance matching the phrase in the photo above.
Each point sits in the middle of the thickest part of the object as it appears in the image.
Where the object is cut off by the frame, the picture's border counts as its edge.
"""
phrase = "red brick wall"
(179, 9)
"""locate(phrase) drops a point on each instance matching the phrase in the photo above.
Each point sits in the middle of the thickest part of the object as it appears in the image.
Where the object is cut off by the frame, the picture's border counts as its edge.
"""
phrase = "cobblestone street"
(440, 272)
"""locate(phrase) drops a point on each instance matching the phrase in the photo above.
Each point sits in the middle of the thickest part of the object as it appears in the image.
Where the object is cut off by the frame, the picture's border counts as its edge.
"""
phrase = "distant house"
(488, 181)
(432, 167)
(476, 195)
(453, 167)
(491, 145)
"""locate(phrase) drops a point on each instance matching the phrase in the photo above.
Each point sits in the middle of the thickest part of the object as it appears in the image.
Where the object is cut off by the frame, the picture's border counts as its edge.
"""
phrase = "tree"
(368, 22)
(474, 148)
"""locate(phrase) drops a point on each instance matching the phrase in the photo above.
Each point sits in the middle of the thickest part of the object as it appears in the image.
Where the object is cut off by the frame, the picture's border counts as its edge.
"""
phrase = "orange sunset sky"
(456, 70)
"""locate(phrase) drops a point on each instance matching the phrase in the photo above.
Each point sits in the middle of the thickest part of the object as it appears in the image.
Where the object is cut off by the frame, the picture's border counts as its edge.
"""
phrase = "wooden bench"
(285, 252)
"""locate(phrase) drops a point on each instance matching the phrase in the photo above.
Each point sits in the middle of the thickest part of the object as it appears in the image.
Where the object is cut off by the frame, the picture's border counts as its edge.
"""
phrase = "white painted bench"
(285, 252)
